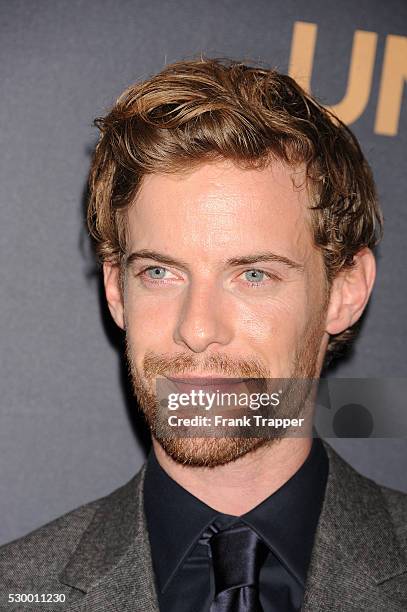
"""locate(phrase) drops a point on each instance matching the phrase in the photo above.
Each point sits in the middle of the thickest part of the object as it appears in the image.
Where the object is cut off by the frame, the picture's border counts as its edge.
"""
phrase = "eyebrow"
(160, 257)
(265, 256)
(233, 261)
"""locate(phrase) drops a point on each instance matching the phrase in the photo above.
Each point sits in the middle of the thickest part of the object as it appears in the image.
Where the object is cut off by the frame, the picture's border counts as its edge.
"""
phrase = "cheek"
(149, 324)
(274, 321)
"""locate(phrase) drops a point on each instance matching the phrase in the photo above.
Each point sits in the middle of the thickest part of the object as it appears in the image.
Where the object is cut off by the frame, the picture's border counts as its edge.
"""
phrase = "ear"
(113, 292)
(350, 292)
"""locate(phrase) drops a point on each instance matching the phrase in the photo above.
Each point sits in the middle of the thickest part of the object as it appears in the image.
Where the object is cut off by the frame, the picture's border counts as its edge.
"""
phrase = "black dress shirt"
(286, 521)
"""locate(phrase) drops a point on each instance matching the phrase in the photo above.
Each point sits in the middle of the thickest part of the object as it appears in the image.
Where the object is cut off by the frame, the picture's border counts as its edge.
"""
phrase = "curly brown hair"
(212, 108)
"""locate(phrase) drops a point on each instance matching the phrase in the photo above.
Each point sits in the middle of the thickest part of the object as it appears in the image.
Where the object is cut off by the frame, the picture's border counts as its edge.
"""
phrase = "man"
(235, 219)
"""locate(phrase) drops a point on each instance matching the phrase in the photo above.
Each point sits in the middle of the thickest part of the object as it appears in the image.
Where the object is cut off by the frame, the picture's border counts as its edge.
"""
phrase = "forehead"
(219, 205)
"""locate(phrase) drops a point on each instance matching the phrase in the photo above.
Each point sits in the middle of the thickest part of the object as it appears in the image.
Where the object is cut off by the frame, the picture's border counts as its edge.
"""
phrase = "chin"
(209, 452)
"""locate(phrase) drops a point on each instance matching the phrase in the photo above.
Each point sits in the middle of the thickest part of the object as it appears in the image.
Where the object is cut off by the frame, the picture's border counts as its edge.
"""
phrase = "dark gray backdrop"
(68, 432)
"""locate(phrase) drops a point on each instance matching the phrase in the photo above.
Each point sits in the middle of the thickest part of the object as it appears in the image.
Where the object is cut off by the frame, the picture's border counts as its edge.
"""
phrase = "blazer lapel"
(112, 566)
(356, 562)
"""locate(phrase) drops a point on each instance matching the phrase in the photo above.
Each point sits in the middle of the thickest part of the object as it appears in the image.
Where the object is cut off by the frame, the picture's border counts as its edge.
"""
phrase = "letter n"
(357, 94)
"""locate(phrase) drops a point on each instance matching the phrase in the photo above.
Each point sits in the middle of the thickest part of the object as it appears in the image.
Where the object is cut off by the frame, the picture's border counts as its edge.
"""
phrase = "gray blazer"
(98, 555)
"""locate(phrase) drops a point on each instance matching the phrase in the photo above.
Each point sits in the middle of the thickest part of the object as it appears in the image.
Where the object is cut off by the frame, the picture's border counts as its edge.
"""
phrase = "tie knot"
(237, 556)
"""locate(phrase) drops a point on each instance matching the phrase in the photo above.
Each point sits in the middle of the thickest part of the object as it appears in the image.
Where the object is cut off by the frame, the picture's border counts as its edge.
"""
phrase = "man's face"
(224, 280)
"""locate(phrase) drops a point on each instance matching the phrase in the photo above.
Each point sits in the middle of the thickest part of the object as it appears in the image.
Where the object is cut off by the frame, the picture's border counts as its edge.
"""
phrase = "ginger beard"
(214, 451)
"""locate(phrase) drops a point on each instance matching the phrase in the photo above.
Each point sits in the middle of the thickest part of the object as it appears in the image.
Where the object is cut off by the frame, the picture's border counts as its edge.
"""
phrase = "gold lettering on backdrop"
(352, 106)
(394, 76)
(361, 68)
(302, 53)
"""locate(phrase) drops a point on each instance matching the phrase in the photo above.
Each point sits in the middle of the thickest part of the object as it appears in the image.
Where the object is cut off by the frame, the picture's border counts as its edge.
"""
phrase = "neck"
(239, 486)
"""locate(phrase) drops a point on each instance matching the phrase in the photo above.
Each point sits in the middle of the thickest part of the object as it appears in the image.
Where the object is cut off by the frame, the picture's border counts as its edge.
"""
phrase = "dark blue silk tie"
(237, 556)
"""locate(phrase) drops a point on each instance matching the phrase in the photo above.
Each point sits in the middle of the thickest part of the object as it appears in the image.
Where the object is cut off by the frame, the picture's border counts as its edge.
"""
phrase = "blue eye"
(254, 276)
(156, 273)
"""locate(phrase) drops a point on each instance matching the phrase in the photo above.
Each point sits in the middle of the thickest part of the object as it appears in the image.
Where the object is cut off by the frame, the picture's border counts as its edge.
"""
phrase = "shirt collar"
(175, 520)
(286, 520)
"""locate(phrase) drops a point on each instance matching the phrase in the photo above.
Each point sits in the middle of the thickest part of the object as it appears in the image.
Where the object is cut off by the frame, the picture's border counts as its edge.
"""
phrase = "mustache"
(155, 364)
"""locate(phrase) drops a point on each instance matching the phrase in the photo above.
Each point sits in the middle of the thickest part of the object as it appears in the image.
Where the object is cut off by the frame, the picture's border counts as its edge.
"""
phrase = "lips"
(209, 384)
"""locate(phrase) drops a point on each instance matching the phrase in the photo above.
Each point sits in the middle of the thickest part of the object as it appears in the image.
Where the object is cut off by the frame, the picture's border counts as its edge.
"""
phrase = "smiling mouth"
(208, 384)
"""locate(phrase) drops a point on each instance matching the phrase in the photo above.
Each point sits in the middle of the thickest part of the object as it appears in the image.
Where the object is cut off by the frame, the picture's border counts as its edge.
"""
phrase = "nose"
(204, 319)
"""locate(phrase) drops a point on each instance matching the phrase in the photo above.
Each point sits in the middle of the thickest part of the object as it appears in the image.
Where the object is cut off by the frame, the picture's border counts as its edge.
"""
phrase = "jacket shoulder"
(396, 503)
(42, 552)
(375, 508)
(38, 557)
